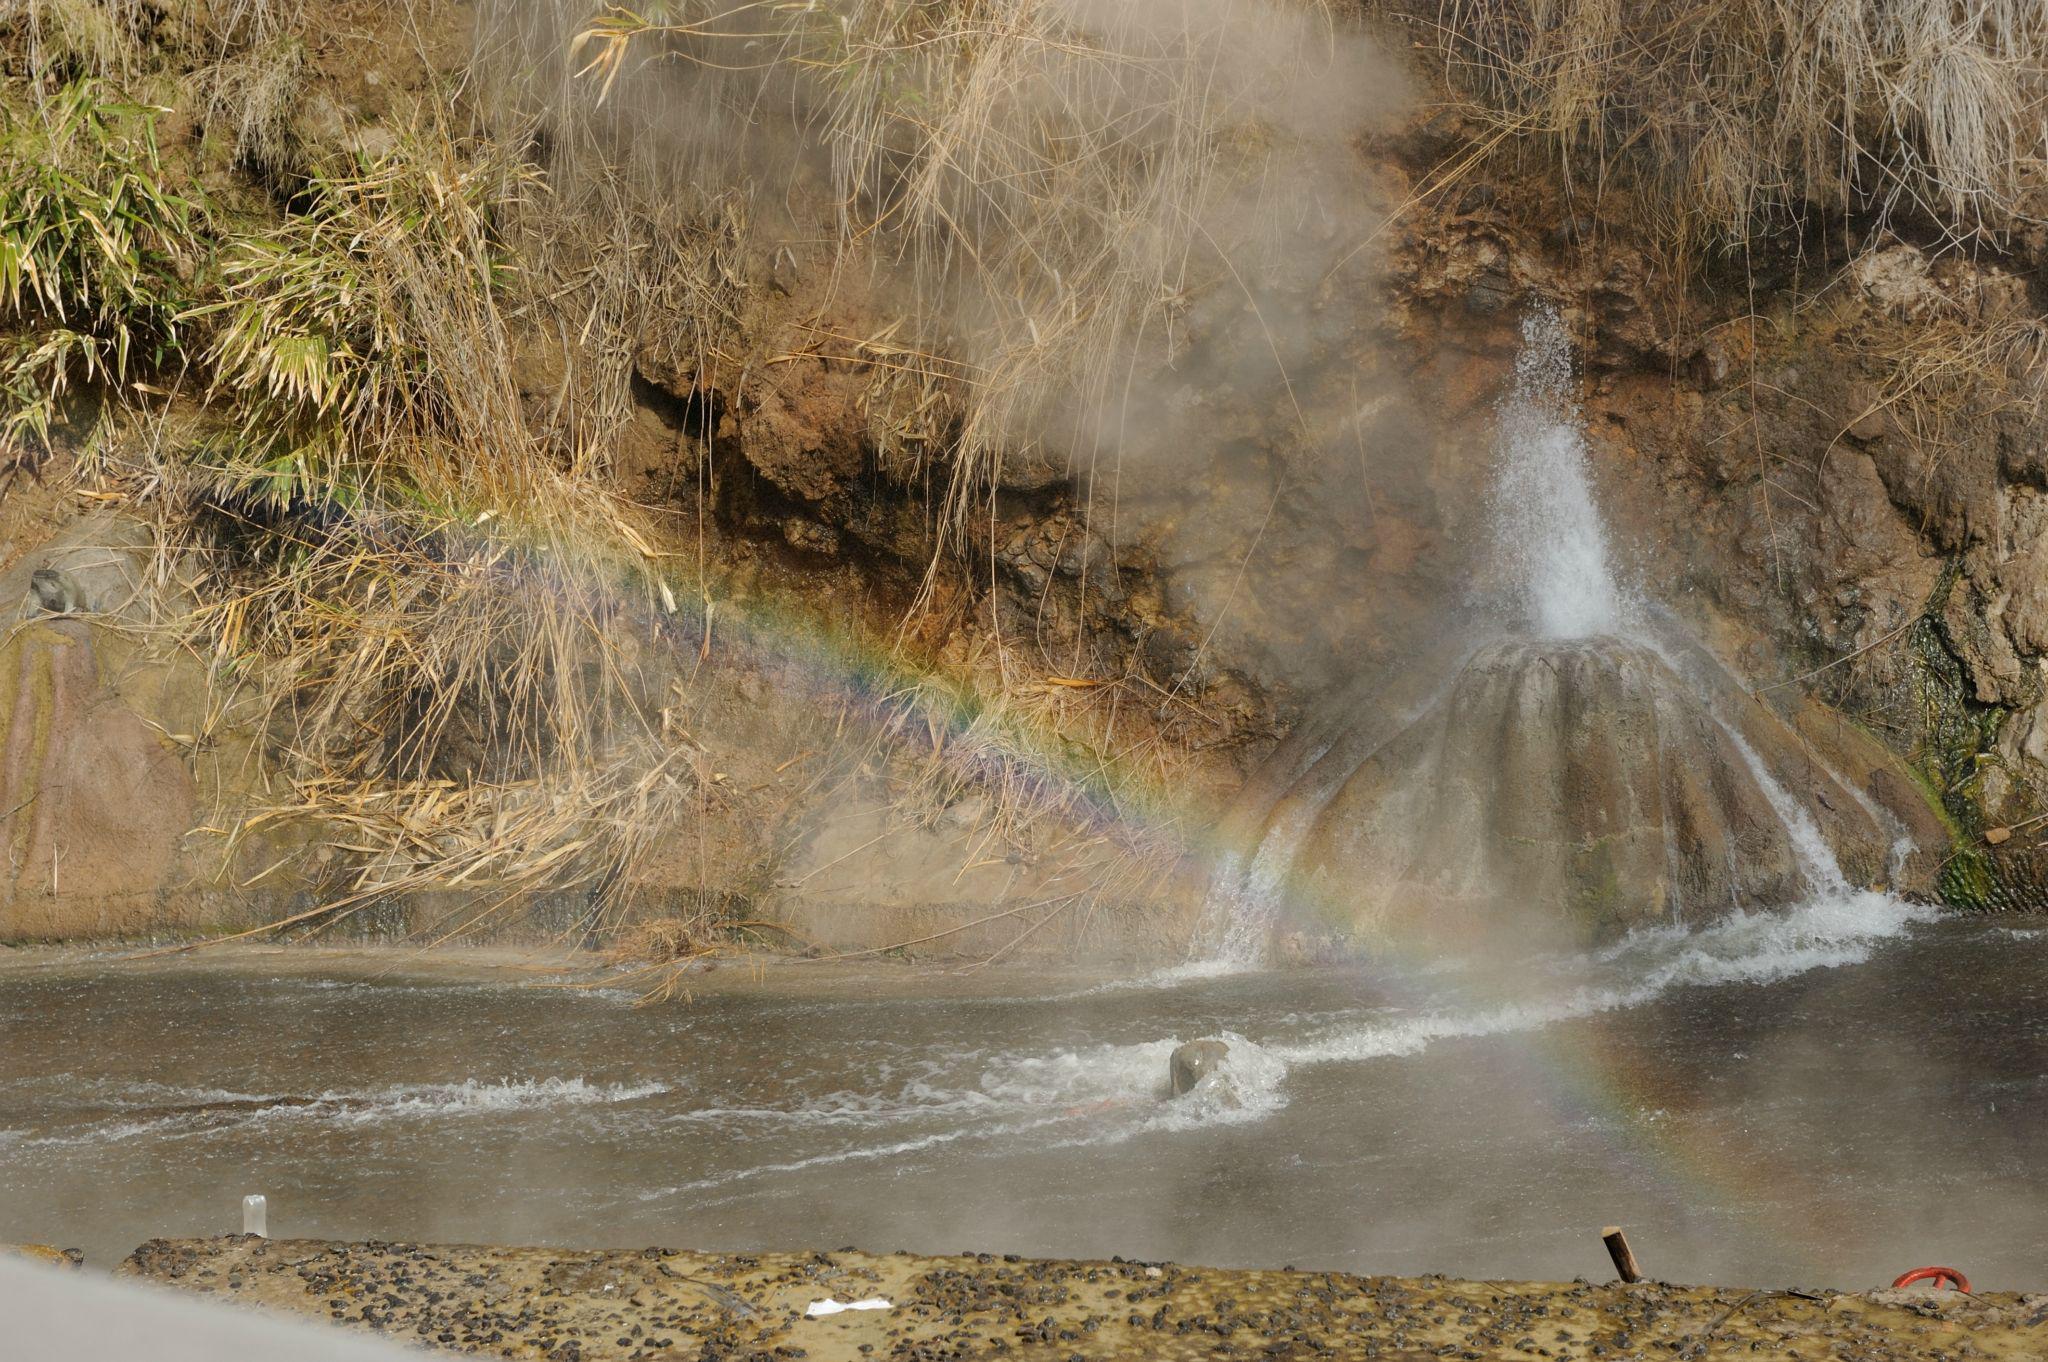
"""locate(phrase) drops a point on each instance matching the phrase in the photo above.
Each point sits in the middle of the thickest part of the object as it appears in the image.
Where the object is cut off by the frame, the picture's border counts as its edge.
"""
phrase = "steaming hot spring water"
(1769, 1073)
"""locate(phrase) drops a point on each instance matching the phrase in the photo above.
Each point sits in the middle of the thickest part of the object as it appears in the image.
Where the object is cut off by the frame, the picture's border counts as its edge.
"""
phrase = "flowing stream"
(1824, 1096)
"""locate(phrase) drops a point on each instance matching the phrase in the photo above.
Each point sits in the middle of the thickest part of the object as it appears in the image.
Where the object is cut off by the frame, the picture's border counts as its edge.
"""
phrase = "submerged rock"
(1193, 1062)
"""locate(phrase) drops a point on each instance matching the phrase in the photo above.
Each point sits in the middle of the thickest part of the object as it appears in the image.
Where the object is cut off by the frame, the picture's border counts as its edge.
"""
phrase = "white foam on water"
(917, 1102)
(412, 987)
(1091, 1095)
(1247, 1086)
(1194, 971)
(859, 1153)
(128, 1093)
(1746, 948)
(202, 1111)
(1096, 1095)
(469, 1098)
(1129, 1082)
(1756, 947)
(100, 1134)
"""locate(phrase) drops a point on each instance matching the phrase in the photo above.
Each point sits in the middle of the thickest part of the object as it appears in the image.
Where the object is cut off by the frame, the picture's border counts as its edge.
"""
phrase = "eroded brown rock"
(92, 801)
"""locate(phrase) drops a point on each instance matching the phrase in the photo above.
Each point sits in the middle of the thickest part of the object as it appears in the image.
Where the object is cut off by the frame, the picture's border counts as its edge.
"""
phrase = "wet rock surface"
(662, 1303)
(1584, 783)
(1193, 1062)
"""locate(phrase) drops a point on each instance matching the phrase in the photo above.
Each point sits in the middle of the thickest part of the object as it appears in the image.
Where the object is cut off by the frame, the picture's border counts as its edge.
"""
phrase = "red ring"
(1937, 1275)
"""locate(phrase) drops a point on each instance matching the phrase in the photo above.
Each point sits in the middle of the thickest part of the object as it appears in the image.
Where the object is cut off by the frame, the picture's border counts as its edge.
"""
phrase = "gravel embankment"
(661, 1303)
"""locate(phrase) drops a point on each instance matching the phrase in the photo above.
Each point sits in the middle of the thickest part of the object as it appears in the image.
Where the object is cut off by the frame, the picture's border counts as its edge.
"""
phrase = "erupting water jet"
(1586, 769)
(1547, 531)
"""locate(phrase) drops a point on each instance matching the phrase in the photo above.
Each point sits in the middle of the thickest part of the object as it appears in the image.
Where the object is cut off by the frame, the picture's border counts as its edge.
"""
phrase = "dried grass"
(1755, 112)
(455, 642)
(253, 96)
(1042, 185)
(226, 26)
(1045, 176)
(433, 612)
(68, 39)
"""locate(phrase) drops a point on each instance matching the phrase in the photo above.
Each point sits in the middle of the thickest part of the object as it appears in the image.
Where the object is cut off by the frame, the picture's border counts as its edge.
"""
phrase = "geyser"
(1586, 769)
(1548, 537)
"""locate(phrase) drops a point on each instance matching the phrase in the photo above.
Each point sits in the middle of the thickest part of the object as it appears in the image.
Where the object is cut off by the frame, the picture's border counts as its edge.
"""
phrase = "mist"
(1137, 246)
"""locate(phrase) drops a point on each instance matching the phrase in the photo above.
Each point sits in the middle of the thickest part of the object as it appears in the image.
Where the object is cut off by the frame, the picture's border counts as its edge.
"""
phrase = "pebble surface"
(663, 1303)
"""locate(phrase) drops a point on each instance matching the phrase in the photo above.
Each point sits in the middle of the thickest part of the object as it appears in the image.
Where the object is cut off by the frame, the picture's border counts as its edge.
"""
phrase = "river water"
(1827, 1097)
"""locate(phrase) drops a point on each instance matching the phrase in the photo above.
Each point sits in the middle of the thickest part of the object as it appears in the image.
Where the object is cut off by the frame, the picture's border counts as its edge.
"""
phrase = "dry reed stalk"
(430, 610)
(1751, 114)
(419, 585)
(1041, 172)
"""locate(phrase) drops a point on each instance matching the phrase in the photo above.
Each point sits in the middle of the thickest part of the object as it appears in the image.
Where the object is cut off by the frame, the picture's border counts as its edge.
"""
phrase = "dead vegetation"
(1756, 114)
(439, 617)
(1052, 185)
(439, 623)
(467, 656)
(1056, 191)
(253, 95)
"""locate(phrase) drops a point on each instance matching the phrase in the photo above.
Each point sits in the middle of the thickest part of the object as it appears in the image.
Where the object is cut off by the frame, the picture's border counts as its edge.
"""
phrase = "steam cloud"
(1141, 232)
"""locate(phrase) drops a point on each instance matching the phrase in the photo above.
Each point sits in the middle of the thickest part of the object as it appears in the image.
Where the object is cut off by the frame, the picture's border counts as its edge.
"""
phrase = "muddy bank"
(665, 1303)
(931, 973)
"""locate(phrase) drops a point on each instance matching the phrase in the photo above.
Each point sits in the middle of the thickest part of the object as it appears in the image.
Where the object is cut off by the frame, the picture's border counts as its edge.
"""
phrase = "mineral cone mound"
(1580, 783)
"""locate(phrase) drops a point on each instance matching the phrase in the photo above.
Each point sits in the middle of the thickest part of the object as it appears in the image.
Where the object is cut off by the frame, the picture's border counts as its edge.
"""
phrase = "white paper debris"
(829, 1306)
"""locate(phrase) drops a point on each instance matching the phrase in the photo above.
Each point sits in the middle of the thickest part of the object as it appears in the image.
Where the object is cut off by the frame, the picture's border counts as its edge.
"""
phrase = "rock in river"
(1192, 1061)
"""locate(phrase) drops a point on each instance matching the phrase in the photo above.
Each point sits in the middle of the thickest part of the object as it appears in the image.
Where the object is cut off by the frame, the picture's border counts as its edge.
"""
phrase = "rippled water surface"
(1824, 1098)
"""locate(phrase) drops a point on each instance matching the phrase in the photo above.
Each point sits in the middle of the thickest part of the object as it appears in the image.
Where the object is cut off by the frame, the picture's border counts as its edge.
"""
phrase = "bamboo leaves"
(96, 252)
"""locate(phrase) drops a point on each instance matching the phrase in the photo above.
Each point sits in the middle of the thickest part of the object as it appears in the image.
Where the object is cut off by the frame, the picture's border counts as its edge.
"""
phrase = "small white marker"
(256, 1216)
(830, 1306)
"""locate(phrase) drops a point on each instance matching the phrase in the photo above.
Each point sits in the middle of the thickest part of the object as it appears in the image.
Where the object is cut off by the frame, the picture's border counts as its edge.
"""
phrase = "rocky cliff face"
(1834, 469)
(98, 802)
(1826, 458)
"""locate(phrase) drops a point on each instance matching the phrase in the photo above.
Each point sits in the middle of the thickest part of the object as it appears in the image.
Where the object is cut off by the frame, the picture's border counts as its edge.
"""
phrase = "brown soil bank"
(660, 1303)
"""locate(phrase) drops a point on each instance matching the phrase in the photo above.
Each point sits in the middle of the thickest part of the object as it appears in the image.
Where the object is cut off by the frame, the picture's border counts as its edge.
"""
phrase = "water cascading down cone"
(1585, 771)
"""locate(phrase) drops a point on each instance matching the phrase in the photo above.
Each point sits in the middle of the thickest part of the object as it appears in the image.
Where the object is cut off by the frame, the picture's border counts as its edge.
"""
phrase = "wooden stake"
(1624, 1257)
